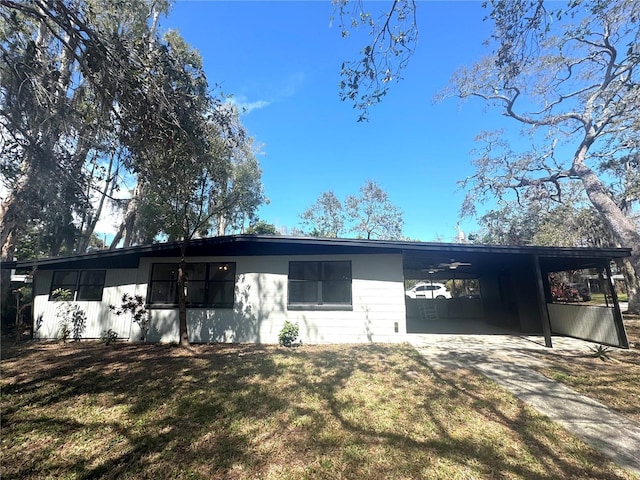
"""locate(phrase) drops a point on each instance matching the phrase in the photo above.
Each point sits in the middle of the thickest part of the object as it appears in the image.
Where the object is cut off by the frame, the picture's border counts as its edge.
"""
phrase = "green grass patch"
(598, 298)
(237, 412)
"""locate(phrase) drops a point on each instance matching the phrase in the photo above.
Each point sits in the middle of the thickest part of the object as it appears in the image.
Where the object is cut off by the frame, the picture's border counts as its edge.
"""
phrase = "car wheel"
(441, 297)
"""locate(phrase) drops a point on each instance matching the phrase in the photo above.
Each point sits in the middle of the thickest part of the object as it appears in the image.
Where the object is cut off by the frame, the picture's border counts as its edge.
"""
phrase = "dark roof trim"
(250, 245)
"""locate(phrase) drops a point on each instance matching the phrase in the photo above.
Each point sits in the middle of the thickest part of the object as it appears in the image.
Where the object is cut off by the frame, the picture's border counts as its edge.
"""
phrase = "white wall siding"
(377, 303)
(99, 318)
(46, 324)
(260, 306)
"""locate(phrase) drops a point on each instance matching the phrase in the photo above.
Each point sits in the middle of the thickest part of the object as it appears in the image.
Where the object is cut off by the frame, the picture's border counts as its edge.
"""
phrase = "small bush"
(600, 352)
(288, 334)
(108, 337)
(65, 332)
(73, 320)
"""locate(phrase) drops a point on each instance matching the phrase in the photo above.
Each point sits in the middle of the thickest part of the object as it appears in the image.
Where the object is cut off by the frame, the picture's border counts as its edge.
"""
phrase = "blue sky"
(281, 60)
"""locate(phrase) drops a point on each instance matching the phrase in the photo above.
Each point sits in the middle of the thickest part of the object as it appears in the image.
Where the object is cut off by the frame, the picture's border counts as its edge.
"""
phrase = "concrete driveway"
(465, 349)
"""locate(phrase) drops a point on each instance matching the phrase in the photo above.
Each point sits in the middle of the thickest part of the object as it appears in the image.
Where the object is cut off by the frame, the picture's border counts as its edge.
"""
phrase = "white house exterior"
(261, 306)
(244, 288)
(375, 312)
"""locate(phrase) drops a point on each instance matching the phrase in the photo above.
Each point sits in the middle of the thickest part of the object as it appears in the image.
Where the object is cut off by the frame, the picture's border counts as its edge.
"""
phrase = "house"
(242, 288)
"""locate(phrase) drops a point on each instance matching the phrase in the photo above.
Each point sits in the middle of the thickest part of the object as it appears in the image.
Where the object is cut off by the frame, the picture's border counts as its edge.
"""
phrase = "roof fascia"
(365, 246)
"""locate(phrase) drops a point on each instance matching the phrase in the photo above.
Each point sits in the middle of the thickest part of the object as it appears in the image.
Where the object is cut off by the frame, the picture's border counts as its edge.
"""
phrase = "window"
(321, 283)
(208, 284)
(164, 277)
(82, 284)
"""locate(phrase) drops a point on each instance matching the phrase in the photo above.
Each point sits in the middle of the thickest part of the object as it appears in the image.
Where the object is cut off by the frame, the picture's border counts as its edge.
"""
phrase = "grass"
(614, 382)
(80, 411)
(598, 298)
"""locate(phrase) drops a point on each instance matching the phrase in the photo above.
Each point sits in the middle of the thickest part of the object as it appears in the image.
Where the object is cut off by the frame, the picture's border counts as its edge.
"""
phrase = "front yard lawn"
(233, 412)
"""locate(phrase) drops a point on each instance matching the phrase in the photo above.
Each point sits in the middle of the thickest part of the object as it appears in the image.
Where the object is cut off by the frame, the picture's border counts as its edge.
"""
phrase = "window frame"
(207, 282)
(321, 282)
(76, 288)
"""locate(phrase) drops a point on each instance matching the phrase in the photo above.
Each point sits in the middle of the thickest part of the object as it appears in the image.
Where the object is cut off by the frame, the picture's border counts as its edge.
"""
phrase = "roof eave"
(129, 256)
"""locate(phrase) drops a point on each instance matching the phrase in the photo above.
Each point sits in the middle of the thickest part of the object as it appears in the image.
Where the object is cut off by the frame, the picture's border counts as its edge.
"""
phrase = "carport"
(507, 289)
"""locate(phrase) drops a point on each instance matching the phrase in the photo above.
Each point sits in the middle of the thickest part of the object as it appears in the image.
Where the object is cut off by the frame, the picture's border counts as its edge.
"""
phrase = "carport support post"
(542, 303)
(617, 314)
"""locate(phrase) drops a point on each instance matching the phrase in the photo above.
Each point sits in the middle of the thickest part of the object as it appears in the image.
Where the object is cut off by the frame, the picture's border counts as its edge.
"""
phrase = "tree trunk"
(631, 279)
(222, 225)
(13, 211)
(182, 298)
(623, 230)
(128, 225)
(87, 231)
(5, 282)
(9, 212)
(44, 135)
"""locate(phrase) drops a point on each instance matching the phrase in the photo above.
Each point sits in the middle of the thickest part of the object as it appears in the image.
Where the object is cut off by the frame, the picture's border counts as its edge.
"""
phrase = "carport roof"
(417, 256)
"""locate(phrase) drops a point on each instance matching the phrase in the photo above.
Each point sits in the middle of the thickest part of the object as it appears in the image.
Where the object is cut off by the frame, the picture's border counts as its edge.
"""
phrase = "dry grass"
(614, 382)
(334, 412)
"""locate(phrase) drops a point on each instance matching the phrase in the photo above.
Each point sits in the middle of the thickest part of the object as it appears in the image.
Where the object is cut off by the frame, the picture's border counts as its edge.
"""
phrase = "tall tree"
(186, 174)
(574, 84)
(326, 217)
(238, 193)
(369, 215)
(182, 192)
(243, 191)
(373, 215)
(88, 87)
(68, 88)
(64, 65)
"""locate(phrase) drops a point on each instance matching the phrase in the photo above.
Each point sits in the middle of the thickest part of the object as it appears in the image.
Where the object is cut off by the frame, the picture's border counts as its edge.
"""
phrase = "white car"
(429, 291)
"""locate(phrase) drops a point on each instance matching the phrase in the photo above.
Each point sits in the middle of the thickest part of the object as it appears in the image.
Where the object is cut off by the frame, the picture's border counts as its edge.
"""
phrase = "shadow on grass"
(541, 437)
(530, 429)
(372, 411)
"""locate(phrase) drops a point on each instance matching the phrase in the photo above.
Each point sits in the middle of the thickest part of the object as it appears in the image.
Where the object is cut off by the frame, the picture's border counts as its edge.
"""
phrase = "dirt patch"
(632, 326)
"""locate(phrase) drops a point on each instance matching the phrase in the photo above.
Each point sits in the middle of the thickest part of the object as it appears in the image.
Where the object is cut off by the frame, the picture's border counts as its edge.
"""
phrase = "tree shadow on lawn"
(539, 435)
(441, 396)
(152, 411)
(157, 388)
(614, 381)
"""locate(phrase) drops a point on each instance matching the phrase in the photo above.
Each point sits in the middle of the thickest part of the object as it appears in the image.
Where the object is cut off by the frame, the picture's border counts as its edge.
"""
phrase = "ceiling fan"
(453, 264)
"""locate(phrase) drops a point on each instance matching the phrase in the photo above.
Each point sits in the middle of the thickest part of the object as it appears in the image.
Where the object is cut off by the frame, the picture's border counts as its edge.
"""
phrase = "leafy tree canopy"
(369, 215)
(260, 227)
(391, 36)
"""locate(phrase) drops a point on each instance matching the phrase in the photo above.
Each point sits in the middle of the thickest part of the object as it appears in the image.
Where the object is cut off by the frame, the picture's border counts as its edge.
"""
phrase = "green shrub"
(73, 321)
(288, 334)
(65, 332)
(108, 337)
(600, 352)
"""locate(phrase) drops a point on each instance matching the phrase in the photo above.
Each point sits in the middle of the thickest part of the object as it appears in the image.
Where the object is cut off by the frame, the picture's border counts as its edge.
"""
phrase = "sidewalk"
(507, 361)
